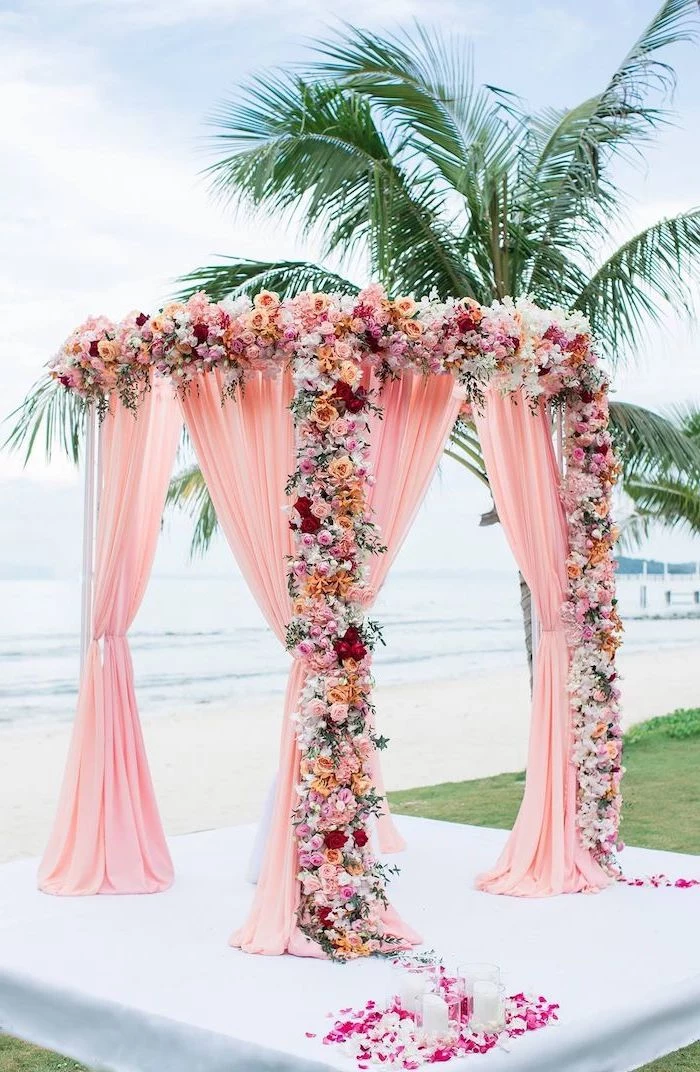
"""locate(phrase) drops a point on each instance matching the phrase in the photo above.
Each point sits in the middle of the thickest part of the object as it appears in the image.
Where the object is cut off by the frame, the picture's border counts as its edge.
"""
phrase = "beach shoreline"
(212, 765)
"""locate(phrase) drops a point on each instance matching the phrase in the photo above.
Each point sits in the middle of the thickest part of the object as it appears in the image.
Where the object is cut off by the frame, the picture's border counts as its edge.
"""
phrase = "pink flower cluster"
(389, 1036)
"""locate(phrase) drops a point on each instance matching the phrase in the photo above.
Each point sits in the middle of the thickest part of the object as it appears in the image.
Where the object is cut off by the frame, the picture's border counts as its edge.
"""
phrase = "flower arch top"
(327, 340)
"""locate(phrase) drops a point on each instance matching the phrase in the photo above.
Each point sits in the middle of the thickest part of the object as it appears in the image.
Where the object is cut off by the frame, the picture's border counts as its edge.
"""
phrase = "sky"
(105, 132)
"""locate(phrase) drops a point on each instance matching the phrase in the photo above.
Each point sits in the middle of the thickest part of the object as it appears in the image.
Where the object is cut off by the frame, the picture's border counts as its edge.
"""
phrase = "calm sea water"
(202, 640)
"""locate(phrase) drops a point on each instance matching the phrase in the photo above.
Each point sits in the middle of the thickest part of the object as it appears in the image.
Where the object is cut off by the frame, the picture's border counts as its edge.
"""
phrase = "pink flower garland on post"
(342, 884)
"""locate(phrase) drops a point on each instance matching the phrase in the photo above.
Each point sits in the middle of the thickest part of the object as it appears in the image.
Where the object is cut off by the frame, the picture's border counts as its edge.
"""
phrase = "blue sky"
(103, 135)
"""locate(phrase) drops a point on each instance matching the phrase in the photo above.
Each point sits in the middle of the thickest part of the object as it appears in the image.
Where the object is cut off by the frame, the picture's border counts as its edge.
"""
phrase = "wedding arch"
(318, 423)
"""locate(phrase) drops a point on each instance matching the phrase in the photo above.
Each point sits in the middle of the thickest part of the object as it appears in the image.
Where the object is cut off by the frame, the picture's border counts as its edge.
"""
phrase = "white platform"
(149, 984)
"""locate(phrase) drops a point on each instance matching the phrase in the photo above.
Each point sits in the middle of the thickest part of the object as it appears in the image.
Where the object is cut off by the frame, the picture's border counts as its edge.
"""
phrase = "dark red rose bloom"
(586, 396)
(303, 505)
(465, 322)
(65, 380)
(361, 838)
(141, 320)
(343, 650)
(343, 391)
(94, 352)
(350, 646)
(200, 331)
(323, 915)
(372, 341)
(335, 839)
(357, 402)
(310, 523)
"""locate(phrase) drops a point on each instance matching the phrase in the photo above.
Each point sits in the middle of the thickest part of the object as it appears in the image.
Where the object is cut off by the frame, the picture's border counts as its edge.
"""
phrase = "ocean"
(200, 640)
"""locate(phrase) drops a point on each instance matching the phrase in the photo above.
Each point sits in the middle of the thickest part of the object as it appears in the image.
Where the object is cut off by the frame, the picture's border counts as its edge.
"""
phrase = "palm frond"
(649, 272)
(565, 179)
(650, 443)
(237, 275)
(423, 84)
(686, 415)
(49, 415)
(316, 148)
(188, 491)
(464, 447)
(671, 503)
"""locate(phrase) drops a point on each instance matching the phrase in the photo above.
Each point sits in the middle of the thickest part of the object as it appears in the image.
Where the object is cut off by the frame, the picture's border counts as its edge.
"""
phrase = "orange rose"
(344, 521)
(323, 766)
(341, 468)
(324, 414)
(573, 571)
(319, 302)
(334, 856)
(324, 786)
(172, 308)
(339, 694)
(360, 784)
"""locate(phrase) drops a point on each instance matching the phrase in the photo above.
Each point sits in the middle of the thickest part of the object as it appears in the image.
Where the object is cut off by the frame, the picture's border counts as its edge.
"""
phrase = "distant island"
(628, 565)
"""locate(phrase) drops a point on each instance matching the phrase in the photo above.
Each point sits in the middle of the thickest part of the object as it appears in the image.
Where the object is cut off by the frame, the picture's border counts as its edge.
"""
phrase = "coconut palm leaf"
(189, 492)
(569, 150)
(51, 416)
(237, 276)
(649, 442)
(669, 502)
(650, 271)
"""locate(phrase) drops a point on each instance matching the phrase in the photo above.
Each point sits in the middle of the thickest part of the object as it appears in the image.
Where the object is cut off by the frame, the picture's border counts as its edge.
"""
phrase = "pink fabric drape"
(107, 836)
(246, 451)
(418, 413)
(543, 855)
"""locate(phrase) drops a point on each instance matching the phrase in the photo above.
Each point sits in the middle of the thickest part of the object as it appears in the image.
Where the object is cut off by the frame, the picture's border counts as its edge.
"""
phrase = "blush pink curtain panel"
(543, 854)
(107, 836)
(418, 413)
(246, 451)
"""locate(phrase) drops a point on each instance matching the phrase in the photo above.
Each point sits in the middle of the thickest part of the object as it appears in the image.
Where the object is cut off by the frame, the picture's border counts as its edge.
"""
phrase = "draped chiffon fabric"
(407, 442)
(246, 451)
(107, 836)
(543, 854)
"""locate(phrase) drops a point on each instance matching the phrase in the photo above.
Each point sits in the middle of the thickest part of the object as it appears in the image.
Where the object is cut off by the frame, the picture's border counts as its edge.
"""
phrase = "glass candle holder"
(488, 1007)
(409, 986)
(470, 974)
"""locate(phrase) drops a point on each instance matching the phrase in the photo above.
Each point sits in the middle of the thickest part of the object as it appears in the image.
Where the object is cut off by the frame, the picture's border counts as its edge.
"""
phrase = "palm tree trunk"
(526, 609)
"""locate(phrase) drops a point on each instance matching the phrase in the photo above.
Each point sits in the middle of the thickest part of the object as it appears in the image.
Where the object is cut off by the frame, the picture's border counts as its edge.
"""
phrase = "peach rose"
(405, 307)
(341, 468)
(334, 856)
(412, 328)
(349, 373)
(320, 302)
(323, 766)
(266, 299)
(172, 308)
(259, 320)
(324, 414)
(108, 350)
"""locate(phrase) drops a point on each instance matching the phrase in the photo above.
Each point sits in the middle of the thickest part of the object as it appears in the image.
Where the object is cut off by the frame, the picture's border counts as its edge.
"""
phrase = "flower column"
(342, 885)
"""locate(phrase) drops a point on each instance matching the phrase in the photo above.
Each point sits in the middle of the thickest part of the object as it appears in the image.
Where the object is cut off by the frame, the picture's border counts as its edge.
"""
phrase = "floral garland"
(331, 342)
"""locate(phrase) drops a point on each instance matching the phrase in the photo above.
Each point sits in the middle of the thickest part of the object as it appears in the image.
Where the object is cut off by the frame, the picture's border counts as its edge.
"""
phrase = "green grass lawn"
(662, 758)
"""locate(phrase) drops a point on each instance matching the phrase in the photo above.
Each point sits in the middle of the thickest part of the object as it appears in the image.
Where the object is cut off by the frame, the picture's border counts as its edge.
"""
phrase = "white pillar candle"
(411, 990)
(487, 1002)
(436, 1019)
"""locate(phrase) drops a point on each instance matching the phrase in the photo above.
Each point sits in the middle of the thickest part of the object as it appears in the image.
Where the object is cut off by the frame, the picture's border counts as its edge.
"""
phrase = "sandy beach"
(212, 765)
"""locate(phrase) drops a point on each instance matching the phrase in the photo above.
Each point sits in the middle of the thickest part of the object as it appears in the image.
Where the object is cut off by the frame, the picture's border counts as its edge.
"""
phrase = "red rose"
(323, 915)
(361, 838)
(465, 323)
(343, 650)
(358, 651)
(310, 523)
(200, 332)
(335, 839)
(357, 402)
(141, 320)
(303, 505)
(352, 634)
(94, 352)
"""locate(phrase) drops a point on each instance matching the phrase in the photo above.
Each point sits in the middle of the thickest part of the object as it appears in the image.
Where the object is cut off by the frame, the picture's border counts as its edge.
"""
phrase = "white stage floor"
(149, 984)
